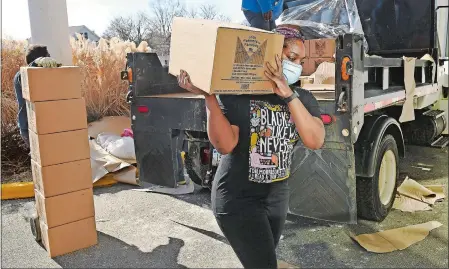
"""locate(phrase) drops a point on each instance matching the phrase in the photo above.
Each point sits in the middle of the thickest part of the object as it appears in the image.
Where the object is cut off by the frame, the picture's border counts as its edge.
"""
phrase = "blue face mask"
(291, 71)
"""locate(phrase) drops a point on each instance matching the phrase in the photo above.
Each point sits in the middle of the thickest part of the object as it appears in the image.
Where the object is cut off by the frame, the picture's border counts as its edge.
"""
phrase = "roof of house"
(81, 29)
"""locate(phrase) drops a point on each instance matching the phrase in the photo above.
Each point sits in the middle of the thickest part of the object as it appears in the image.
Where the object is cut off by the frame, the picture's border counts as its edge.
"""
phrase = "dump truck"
(381, 102)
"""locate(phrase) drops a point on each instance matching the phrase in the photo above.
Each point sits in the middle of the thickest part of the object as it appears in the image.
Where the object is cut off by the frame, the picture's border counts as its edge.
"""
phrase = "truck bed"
(375, 97)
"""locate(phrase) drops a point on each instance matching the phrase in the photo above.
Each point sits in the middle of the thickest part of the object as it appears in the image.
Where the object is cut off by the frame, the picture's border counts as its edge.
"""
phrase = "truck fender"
(374, 129)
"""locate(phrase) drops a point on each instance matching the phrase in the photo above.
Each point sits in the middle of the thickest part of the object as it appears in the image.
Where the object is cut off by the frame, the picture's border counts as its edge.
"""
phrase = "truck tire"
(376, 195)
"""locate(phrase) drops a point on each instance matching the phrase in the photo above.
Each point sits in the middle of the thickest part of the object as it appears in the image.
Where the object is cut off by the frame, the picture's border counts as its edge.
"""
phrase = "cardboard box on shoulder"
(57, 116)
(223, 58)
(62, 178)
(47, 84)
(65, 208)
(69, 237)
(57, 148)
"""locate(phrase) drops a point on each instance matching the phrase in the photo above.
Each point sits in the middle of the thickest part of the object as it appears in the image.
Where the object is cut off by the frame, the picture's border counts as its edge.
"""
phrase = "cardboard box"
(223, 58)
(69, 237)
(57, 116)
(57, 148)
(307, 46)
(62, 178)
(322, 48)
(46, 84)
(62, 209)
(307, 67)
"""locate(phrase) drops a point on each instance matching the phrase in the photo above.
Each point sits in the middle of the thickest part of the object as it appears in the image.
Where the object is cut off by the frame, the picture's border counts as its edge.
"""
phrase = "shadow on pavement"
(114, 253)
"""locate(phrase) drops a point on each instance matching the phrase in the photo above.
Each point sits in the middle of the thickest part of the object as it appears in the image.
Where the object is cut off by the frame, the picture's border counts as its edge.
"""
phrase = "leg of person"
(277, 208)
(256, 20)
(251, 239)
(25, 136)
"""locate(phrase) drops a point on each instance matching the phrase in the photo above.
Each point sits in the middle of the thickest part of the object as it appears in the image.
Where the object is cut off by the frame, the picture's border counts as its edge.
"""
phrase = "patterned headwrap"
(289, 32)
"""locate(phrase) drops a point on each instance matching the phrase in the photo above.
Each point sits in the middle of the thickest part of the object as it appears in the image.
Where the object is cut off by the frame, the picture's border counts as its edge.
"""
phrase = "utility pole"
(49, 26)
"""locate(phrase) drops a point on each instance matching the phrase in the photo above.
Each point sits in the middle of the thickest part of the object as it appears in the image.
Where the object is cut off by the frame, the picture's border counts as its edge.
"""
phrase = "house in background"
(84, 31)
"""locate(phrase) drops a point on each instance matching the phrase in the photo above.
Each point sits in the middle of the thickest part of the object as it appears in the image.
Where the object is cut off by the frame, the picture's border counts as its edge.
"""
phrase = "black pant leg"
(277, 208)
(251, 239)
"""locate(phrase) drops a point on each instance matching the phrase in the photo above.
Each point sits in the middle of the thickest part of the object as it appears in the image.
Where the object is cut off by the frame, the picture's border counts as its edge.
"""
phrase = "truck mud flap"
(322, 184)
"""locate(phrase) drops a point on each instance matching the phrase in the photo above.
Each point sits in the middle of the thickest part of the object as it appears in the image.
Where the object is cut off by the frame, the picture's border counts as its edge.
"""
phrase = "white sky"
(96, 14)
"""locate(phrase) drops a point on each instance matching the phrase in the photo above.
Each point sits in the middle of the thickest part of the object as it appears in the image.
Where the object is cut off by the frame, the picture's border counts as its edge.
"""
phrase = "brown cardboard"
(62, 178)
(322, 48)
(65, 208)
(46, 84)
(307, 47)
(69, 237)
(57, 116)
(396, 239)
(57, 148)
(307, 67)
(223, 58)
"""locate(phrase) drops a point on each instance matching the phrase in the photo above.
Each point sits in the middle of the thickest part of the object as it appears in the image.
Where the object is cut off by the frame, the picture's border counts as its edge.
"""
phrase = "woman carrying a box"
(256, 135)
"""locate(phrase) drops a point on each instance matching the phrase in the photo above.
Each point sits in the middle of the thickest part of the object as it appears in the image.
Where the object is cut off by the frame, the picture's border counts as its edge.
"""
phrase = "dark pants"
(255, 236)
(256, 20)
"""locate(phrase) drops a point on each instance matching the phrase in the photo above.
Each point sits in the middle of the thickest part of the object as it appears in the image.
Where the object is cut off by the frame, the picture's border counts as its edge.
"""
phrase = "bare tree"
(163, 12)
(132, 28)
(208, 12)
(156, 27)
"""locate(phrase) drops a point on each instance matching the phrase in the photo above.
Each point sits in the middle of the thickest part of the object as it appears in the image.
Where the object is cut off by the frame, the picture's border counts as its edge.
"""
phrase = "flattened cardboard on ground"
(223, 58)
(47, 84)
(413, 196)
(322, 48)
(395, 239)
(62, 178)
(115, 125)
(427, 194)
(65, 208)
(406, 204)
(57, 148)
(69, 237)
(57, 116)
(103, 163)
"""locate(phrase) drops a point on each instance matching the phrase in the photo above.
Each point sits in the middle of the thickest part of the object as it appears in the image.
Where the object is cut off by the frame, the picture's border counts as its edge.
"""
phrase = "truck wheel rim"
(387, 177)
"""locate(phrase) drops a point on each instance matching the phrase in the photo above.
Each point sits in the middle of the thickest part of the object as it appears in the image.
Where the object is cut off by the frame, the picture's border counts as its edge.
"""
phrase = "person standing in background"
(34, 53)
(262, 13)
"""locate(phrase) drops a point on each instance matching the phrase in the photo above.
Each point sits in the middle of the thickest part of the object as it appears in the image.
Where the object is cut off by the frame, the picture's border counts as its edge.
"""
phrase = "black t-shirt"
(267, 135)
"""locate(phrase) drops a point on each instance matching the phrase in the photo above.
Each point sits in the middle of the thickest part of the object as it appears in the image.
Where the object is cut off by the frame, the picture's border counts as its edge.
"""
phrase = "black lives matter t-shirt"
(263, 154)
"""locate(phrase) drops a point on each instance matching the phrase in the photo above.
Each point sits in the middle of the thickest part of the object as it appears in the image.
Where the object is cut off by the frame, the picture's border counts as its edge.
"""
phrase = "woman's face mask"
(291, 71)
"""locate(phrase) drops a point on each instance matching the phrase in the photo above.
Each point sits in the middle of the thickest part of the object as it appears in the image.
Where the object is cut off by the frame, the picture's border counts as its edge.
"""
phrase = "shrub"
(101, 86)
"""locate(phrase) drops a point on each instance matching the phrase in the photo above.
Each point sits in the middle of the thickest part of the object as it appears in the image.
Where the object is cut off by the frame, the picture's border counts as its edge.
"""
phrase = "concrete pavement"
(138, 230)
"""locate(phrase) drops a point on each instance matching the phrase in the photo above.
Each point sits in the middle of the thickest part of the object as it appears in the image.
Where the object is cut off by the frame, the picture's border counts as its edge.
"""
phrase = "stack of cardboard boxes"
(318, 51)
(60, 156)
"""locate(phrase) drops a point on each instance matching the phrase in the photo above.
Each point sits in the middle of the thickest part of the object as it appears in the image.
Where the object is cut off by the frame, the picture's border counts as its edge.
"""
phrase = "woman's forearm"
(222, 135)
(310, 128)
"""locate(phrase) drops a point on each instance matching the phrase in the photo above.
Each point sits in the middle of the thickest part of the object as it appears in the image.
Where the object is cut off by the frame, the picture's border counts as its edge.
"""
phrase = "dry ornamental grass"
(101, 87)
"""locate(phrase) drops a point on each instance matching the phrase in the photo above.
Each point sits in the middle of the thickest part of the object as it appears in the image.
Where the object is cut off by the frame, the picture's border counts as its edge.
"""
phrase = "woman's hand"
(277, 78)
(185, 83)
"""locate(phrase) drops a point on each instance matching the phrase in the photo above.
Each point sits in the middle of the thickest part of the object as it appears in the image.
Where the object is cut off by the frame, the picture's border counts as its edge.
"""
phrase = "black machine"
(344, 178)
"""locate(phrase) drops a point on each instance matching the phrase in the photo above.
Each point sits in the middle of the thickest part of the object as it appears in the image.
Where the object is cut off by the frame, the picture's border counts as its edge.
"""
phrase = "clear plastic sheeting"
(323, 18)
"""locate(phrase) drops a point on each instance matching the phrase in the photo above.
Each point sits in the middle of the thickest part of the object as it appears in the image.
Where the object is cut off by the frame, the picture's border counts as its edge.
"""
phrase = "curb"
(24, 190)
